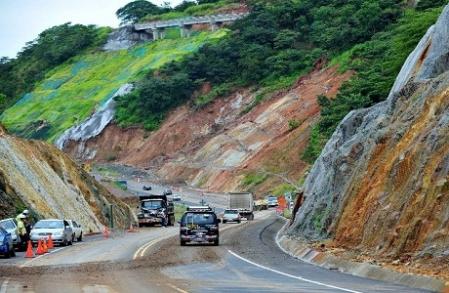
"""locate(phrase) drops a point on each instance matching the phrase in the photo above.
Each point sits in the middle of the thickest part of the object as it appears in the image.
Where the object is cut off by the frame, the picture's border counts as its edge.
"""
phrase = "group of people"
(24, 224)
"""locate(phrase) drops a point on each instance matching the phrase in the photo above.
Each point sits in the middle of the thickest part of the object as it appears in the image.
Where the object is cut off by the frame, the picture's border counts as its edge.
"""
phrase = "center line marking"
(291, 276)
(176, 288)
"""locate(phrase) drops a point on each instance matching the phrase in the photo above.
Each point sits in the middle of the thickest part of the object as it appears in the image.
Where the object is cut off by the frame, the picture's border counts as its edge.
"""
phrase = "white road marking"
(4, 286)
(40, 256)
(291, 276)
(176, 288)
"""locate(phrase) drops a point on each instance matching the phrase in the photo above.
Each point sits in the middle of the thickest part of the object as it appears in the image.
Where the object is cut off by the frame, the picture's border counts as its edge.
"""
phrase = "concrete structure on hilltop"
(156, 29)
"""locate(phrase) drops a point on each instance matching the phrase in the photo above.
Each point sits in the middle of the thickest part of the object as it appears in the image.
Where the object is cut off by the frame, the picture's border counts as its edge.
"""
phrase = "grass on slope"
(71, 92)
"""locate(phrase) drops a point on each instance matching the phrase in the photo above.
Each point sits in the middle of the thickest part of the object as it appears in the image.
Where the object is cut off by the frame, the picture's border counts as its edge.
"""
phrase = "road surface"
(247, 260)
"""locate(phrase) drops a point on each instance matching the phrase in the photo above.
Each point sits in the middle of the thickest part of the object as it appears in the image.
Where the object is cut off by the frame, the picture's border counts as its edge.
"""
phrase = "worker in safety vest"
(22, 229)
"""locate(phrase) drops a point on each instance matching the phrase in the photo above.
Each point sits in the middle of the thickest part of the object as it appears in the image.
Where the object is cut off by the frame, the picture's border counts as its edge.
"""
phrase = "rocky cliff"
(37, 176)
(381, 183)
(217, 146)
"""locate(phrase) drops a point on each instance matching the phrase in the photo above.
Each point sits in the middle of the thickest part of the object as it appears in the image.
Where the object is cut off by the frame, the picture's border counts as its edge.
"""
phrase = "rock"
(382, 169)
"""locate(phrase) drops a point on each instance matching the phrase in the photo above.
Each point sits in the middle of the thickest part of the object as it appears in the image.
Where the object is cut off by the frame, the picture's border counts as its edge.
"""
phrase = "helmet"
(25, 212)
(22, 216)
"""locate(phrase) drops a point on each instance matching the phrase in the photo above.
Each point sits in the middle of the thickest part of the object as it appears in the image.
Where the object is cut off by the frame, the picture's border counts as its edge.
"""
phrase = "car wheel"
(239, 221)
(81, 237)
(12, 253)
(64, 243)
(73, 238)
(216, 242)
(224, 221)
(183, 243)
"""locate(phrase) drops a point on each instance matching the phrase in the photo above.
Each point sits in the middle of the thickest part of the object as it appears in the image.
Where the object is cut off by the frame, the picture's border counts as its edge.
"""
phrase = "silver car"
(60, 231)
(11, 226)
(77, 230)
(231, 215)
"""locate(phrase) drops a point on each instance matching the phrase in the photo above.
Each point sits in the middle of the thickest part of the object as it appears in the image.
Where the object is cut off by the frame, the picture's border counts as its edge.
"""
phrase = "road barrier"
(40, 250)
(44, 245)
(50, 242)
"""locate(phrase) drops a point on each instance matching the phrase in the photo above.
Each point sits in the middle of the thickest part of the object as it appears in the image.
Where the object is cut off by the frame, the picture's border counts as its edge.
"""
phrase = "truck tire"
(182, 242)
(251, 217)
(216, 242)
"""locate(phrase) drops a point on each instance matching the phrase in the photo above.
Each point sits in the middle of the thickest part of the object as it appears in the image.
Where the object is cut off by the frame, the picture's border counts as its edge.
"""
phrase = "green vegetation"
(135, 10)
(51, 48)
(282, 189)
(179, 211)
(253, 179)
(73, 90)
(293, 124)
(277, 42)
(377, 63)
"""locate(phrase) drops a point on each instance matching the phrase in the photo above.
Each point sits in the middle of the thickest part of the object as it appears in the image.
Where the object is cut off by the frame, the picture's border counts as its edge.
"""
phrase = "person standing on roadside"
(22, 229)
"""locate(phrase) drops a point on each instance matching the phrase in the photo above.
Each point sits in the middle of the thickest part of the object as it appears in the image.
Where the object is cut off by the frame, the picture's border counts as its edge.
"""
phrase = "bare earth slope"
(38, 176)
(381, 184)
(214, 147)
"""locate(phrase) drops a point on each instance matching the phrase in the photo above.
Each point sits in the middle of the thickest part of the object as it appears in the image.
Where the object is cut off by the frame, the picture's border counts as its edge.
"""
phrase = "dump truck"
(156, 209)
(243, 202)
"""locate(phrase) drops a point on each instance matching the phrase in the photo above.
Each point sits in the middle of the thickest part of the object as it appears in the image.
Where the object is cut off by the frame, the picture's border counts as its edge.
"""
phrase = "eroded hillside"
(381, 184)
(218, 146)
(37, 176)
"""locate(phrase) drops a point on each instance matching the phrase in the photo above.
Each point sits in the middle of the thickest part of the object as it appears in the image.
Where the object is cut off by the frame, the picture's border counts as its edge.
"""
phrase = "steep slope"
(381, 184)
(73, 91)
(37, 176)
(217, 146)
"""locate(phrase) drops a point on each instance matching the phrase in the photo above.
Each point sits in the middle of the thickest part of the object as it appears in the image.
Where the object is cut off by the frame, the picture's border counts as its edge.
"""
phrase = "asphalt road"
(247, 260)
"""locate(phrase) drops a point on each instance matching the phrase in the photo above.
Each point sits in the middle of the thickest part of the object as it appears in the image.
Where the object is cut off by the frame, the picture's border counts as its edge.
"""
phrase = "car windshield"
(231, 212)
(49, 225)
(198, 218)
(8, 225)
(152, 204)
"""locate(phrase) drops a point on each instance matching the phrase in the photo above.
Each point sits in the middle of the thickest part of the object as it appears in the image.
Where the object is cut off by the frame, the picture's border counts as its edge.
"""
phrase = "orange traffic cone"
(131, 228)
(29, 253)
(106, 232)
(39, 250)
(50, 243)
(44, 245)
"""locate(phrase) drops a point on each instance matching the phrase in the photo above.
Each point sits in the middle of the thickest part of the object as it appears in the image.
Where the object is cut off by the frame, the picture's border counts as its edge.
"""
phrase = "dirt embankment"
(216, 146)
(37, 176)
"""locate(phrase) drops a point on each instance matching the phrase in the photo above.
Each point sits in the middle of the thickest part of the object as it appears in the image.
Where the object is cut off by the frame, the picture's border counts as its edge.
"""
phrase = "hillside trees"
(277, 40)
(135, 10)
(51, 48)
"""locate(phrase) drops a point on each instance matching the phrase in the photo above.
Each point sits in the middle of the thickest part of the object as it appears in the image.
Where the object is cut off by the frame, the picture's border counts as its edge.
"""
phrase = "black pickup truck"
(156, 209)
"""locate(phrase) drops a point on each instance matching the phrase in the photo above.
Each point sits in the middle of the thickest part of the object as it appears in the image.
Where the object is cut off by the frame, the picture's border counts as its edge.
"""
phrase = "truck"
(155, 209)
(243, 202)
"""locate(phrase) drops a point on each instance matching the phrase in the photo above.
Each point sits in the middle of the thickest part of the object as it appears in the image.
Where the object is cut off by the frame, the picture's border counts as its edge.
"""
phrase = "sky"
(22, 20)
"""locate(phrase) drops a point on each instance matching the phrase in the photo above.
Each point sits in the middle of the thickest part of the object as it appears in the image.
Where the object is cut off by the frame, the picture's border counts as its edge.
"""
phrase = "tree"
(133, 11)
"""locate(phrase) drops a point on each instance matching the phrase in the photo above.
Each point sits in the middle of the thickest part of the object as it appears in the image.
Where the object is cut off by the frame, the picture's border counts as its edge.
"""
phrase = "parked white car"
(231, 215)
(60, 231)
(77, 230)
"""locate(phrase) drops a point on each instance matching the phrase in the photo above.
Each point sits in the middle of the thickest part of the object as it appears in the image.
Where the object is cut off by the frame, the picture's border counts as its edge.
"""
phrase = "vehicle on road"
(6, 244)
(261, 204)
(243, 202)
(168, 192)
(199, 225)
(77, 231)
(272, 201)
(156, 209)
(176, 197)
(147, 187)
(231, 215)
(11, 226)
(60, 231)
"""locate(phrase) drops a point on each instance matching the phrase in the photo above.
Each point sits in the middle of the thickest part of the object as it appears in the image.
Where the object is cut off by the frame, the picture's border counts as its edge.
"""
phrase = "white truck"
(243, 202)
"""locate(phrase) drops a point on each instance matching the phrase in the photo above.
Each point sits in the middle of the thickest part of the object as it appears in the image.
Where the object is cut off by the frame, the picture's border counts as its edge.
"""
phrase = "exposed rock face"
(124, 38)
(37, 176)
(95, 124)
(381, 182)
(214, 147)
